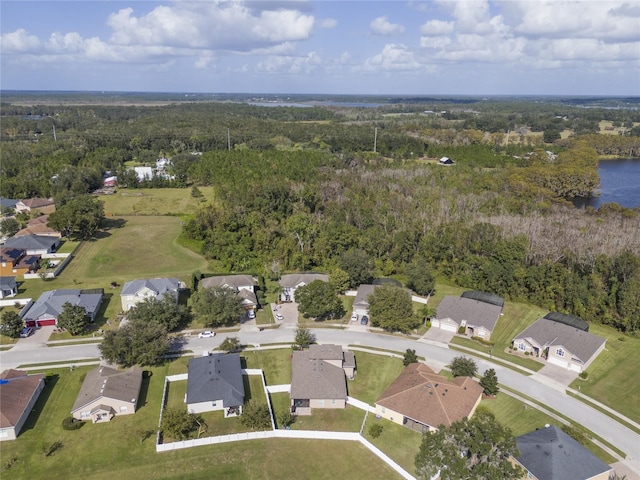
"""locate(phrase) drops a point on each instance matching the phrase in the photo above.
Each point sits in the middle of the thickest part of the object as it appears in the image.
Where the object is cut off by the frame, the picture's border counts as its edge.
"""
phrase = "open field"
(155, 201)
(613, 375)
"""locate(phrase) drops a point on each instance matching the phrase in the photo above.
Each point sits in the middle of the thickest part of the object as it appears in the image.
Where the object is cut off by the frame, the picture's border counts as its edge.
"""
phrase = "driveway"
(557, 374)
(37, 339)
(289, 311)
(438, 335)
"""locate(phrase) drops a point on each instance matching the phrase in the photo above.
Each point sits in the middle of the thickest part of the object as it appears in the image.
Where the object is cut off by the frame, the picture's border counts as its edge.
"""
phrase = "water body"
(619, 183)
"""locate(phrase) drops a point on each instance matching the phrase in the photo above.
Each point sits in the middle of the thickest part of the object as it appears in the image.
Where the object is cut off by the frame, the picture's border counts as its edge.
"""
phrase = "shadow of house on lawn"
(50, 381)
(144, 388)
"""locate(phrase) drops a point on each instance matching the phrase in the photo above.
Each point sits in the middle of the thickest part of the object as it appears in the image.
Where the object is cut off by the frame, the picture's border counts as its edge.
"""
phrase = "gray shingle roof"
(105, 382)
(316, 379)
(549, 333)
(49, 304)
(551, 454)
(7, 283)
(234, 281)
(32, 242)
(476, 313)
(161, 286)
(216, 377)
(362, 294)
(295, 279)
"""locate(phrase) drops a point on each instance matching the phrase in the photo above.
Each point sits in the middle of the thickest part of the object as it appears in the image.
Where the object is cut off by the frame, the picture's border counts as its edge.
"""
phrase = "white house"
(290, 282)
(243, 285)
(137, 291)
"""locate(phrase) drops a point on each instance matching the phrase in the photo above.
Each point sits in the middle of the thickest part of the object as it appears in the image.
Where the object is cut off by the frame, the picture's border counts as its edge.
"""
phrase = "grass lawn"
(331, 419)
(276, 364)
(374, 374)
(611, 374)
(400, 443)
(155, 201)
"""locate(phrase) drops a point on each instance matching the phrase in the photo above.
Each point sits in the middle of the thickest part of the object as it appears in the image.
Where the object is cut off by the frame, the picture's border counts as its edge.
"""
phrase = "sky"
(394, 47)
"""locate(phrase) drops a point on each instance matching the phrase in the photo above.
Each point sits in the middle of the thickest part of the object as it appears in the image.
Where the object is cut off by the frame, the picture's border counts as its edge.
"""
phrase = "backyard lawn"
(400, 443)
(276, 364)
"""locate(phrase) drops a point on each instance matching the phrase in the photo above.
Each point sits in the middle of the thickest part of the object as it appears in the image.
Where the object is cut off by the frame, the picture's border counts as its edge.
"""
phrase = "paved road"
(436, 355)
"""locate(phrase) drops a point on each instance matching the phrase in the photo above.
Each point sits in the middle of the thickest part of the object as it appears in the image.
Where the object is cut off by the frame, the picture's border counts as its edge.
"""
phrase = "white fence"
(67, 258)
(279, 388)
(360, 404)
(12, 301)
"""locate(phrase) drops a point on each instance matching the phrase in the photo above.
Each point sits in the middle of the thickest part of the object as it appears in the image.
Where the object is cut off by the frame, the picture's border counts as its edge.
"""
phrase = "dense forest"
(315, 188)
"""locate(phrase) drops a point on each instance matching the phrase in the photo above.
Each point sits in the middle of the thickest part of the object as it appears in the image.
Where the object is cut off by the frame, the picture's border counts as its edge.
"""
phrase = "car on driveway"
(26, 331)
(279, 316)
(207, 334)
(354, 317)
(364, 320)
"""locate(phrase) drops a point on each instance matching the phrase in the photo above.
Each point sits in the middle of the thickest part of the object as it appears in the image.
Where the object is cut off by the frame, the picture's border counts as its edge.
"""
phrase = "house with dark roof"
(32, 205)
(215, 383)
(18, 395)
(50, 304)
(423, 401)
(107, 392)
(38, 226)
(562, 345)
(16, 261)
(7, 203)
(318, 378)
(361, 302)
(8, 287)
(290, 282)
(476, 317)
(137, 291)
(550, 454)
(34, 244)
(242, 285)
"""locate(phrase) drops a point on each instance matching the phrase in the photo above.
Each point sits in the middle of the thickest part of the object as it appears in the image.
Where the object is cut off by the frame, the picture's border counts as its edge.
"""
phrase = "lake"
(619, 183)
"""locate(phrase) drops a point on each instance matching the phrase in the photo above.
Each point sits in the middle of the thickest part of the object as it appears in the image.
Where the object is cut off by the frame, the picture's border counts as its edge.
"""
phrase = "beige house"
(18, 395)
(107, 392)
(564, 345)
(318, 378)
(215, 383)
(33, 205)
(137, 291)
(361, 302)
(291, 282)
(477, 318)
(423, 401)
(242, 285)
(550, 454)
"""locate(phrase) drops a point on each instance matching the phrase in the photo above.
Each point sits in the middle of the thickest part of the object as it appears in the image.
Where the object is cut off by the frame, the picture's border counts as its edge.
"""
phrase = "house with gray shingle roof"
(563, 345)
(423, 401)
(550, 454)
(34, 244)
(318, 378)
(291, 282)
(107, 392)
(50, 304)
(478, 318)
(137, 291)
(361, 302)
(243, 285)
(18, 395)
(8, 287)
(215, 383)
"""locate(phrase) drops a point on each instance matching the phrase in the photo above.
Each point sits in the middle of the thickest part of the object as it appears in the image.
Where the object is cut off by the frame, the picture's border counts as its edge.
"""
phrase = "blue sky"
(439, 47)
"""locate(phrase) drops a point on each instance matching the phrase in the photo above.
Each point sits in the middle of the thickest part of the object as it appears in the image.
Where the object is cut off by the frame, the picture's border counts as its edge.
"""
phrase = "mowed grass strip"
(155, 201)
(276, 364)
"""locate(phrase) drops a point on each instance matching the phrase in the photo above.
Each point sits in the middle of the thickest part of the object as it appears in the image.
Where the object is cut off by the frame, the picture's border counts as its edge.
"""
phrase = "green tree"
(136, 342)
(391, 308)
(375, 430)
(9, 227)
(230, 344)
(256, 415)
(489, 382)
(358, 264)
(420, 276)
(303, 338)
(73, 318)
(177, 423)
(476, 449)
(12, 324)
(463, 367)
(319, 300)
(409, 357)
(166, 312)
(339, 280)
(217, 306)
(81, 217)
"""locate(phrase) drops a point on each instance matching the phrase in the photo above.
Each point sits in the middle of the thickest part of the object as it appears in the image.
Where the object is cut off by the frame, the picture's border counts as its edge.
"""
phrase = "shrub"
(583, 375)
(70, 423)
(375, 430)
(526, 353)
(461, 330)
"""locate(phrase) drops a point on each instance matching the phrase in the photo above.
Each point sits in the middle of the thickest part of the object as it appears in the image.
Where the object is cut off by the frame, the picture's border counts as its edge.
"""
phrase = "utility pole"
(229, 139)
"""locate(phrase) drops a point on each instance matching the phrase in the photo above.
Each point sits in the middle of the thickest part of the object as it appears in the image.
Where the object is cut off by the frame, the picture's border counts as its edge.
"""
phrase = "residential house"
(215, 383)
(361, 302)
(18, 395)
(143, 173)
(7, 204)
(8, 287)
(38, 226)
(290, 282)
(318, 378)
(563, 345)
(242, 285)
(34, 244)
(137, 291)
(550, 454)
(476, 317)
(110, 181)
(33, 205)
(423, 401)
(107, 392)
(15, 262)
(50, 304)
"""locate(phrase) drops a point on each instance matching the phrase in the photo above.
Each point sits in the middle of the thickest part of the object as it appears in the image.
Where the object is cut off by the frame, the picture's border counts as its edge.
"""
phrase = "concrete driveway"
(289, 311)
(558, 374)
(37, 339)
(438, 335)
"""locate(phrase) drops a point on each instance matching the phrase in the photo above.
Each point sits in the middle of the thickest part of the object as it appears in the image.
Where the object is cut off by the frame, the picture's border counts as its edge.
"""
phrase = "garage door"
(575, 367)
(44, 323)
(558, 362)
(447, 327)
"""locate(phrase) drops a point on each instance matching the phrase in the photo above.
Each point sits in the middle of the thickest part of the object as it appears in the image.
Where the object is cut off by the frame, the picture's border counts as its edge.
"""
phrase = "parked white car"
(279, 316)
(207, 334)
(354, 317)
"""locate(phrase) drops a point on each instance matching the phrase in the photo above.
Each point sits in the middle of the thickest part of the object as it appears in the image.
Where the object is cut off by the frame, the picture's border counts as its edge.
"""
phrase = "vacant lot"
(155, 201)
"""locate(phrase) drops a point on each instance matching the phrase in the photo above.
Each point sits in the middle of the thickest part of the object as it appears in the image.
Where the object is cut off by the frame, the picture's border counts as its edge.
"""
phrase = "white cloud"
(19, 41)
(436, 27)
(382, 26)
(394, 57)
(328, 23)
(292, 65)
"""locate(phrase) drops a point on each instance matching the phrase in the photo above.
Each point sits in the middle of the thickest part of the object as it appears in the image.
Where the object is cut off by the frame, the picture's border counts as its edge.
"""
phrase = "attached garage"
(558, 361)
(445, 324)
(46, 322)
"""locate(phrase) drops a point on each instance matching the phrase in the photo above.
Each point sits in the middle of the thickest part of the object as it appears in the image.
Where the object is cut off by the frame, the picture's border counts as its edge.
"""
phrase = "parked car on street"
(207, 334)
(364, 320)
